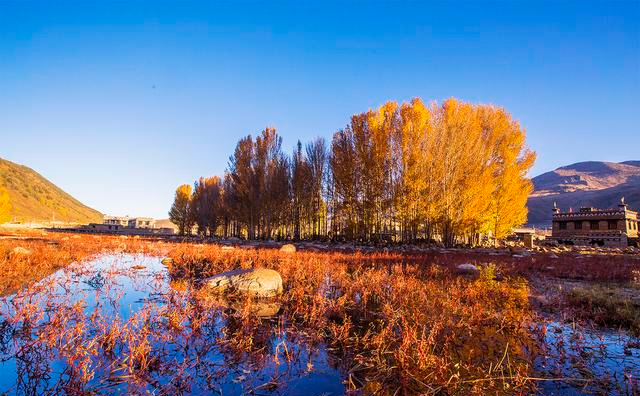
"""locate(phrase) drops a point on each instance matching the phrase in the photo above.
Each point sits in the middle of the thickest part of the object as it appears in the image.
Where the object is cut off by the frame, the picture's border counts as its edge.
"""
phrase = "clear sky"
(118, 103)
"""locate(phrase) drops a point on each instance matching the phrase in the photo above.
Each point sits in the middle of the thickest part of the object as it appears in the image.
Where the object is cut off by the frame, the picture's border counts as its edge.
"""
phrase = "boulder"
(20, 251)
(259, 282)
(288, 248)
(467, 269)
(260, 308)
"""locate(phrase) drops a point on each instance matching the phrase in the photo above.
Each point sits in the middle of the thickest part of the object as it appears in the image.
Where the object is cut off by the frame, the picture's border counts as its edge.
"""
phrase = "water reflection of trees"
(65, 335)
(175, 344)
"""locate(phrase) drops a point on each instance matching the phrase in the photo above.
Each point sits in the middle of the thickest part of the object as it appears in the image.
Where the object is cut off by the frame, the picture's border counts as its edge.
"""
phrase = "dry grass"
(605, 305)
(49, 252)
(393, 323)
(401, 327)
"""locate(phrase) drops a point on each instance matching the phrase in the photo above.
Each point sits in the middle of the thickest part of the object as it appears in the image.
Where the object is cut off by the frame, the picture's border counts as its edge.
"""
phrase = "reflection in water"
(121, 324)
(592, 361)
(118, 325)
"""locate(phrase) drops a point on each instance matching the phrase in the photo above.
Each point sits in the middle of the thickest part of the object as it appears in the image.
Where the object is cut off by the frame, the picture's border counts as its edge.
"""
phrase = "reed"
(391, 322)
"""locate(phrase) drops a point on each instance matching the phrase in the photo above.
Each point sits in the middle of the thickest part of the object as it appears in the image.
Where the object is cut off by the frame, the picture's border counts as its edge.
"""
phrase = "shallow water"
(597, 361)
(128, 291)
(120, 324)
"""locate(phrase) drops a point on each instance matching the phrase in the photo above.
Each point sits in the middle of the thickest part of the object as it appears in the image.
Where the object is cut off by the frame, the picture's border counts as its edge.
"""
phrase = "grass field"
(383, 322)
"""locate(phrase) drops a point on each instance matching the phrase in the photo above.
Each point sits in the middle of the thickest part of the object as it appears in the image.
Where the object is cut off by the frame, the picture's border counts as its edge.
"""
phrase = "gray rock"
(259, 282)
(260, 308)
(468, 269)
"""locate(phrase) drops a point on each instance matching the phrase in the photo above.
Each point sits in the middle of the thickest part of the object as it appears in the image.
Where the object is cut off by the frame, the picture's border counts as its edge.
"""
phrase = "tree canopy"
(452, 171)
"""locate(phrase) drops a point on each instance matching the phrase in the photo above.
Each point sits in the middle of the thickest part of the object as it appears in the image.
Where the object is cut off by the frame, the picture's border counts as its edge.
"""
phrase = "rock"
(227, 248)
(259, 282)
(20, 251)
(467, 269)
(259, 308)
(288, 248)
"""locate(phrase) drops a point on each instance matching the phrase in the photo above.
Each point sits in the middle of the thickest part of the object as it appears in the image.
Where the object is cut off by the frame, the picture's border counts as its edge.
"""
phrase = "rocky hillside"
(34, 198)
(597, 184)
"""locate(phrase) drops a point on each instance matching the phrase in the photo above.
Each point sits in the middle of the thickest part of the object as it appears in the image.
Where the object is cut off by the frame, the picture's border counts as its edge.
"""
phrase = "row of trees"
(453, 171)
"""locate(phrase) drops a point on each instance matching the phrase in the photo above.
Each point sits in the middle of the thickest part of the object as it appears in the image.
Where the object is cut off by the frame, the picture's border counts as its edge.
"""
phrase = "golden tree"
(512, 160)
(453, 171)
(181, 213)
(411, 150)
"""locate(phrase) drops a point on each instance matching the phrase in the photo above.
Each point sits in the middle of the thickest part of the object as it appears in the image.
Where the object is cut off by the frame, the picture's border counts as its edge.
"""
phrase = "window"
(594, 224)
(562, 225)
(578, 225)
(612, 224)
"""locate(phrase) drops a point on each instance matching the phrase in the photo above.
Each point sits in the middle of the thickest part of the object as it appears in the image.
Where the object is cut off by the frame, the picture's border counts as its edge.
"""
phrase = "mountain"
(592, 183)
(34, 198)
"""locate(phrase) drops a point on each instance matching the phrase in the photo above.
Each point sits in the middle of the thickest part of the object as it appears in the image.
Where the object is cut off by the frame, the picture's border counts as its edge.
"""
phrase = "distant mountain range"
(592, 183)
(34, 198)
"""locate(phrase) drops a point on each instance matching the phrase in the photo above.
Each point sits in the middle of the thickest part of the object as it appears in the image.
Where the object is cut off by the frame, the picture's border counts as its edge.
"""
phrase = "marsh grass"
(606, 305)
(390, 323)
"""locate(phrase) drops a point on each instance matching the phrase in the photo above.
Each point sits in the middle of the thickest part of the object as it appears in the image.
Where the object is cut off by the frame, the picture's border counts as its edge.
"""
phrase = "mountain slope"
(597, 184)
(34, 198)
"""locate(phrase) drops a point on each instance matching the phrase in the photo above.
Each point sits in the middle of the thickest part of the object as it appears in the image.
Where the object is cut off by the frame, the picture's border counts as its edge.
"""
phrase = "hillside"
(34, 198)
(597, 184)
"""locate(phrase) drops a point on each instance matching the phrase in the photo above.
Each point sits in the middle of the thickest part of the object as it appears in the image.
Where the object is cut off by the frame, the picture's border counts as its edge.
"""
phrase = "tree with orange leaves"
(181, 213)
(453, 171)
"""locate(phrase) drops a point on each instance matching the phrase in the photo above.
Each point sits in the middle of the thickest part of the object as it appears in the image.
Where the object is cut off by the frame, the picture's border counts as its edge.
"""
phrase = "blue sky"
(119, 102)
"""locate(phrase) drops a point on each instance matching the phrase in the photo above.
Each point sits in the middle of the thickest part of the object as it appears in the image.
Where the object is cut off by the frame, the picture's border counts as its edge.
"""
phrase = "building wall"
(588, 226)
(142, 222)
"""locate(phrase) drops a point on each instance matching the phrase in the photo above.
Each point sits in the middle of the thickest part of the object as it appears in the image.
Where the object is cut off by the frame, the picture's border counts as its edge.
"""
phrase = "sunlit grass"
(392, 323)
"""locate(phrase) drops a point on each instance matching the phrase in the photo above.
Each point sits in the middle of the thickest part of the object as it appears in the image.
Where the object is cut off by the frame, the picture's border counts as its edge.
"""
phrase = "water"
(593, 361)
(130, 329)
(120, 324)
